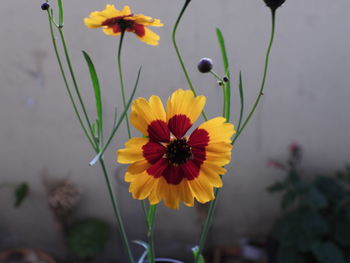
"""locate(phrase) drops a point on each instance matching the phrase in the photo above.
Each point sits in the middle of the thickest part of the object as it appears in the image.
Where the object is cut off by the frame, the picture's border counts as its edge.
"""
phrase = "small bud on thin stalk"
(45, 6)
(274, 4)
(205, 65)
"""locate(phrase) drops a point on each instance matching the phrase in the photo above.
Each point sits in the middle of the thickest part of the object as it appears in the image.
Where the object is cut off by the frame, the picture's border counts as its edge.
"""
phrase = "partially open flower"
(274, 4)
(169, 166)
(114, 22)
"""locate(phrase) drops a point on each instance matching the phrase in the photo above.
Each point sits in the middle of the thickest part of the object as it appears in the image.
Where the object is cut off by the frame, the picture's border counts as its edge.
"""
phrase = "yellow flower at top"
(168, 165)
(113, 22)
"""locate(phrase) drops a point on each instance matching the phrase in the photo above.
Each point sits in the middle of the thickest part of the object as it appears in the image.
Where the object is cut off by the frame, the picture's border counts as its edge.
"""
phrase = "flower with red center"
(114, 22)
(169, 166)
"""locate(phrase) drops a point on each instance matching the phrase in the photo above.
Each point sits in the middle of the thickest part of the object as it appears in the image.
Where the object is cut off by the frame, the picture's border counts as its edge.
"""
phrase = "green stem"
(206, 227)
(110, 189)
(273, 12)
(213, 204)
(150, 232)
(66, 82)
(241, 96)
(124, 99)
(122, 80)
(74, 79)
(178, 52)
(117, 213)
(216, 76)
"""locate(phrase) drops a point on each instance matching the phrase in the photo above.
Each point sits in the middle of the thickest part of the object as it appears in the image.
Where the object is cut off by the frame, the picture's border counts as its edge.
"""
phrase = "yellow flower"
(113, 22)
(168, 165)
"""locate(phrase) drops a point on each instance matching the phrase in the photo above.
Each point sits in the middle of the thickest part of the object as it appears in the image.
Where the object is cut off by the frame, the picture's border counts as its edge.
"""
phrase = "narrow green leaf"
(97, 90)
(227, 89)
(223, 50)
(121, 118)
(60, 13)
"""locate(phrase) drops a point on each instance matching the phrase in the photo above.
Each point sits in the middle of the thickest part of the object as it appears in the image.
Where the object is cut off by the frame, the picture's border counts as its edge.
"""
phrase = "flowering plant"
(167, 162)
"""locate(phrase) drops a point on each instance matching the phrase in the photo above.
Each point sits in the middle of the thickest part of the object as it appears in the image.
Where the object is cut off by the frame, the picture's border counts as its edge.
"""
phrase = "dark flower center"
(178, 152)
(120, 21)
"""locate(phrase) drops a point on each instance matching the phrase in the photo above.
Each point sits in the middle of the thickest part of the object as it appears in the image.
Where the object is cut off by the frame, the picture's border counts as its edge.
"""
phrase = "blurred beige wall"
(306, 100)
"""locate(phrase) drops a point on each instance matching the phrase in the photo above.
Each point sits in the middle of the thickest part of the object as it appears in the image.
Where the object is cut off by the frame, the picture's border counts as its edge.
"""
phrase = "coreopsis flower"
(168, 165)
(114, 22)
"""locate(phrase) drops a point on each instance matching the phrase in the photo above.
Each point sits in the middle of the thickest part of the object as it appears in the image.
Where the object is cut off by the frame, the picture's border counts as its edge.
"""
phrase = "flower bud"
(45, 6)
(274, 4)
(205, 65)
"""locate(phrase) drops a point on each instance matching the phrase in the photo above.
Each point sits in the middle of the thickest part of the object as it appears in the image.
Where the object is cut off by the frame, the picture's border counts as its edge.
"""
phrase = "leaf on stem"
(60, 13)
(97, 90)
(227, 85)
(121, 118)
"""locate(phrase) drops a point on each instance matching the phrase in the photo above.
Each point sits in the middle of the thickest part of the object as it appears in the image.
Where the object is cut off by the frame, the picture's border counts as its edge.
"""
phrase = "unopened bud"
(205, 65)
(45, 6)
(274, 4)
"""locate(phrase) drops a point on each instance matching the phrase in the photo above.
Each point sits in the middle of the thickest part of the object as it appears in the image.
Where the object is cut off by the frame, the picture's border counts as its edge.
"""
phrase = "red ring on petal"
(153, 151)
(199, 138)
(179, 124)
(158, 131)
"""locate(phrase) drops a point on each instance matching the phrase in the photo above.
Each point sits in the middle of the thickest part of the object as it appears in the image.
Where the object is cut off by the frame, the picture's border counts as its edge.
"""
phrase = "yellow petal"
(184, 102)
(109, 31)
(149, 37)
(201, 189)
(138, 167)
(142, 186)
(212, 173)
(218, 130)
(146, 20)
(144, 112)
(125, 11)
(133, 151)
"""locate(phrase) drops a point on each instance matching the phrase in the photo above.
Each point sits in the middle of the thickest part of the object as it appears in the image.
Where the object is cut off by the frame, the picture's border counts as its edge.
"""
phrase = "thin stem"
(213, 204)
(223, 86)
(178, 52)
(66, 82)
(122, 80)
(117, 213)
(241, 95)
(216, 76)
(74, 79)
(150, 232)
(206, 227)
(273, 12)
(110, 189)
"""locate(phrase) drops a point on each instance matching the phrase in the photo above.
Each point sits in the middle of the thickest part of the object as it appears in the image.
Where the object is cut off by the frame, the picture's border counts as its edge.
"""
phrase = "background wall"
(306, 100)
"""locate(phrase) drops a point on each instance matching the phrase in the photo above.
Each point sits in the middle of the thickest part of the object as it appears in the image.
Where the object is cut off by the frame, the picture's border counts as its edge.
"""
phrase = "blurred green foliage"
(21, 192)
(87, 238)
(315, 226)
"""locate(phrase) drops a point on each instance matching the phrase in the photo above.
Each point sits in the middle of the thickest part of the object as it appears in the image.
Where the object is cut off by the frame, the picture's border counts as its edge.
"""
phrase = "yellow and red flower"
(114, 22)
(168, 165)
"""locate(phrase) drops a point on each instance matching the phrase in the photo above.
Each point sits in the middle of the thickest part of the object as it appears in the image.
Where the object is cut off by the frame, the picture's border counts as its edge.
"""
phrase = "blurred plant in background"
(84, 238)
(315, 226)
